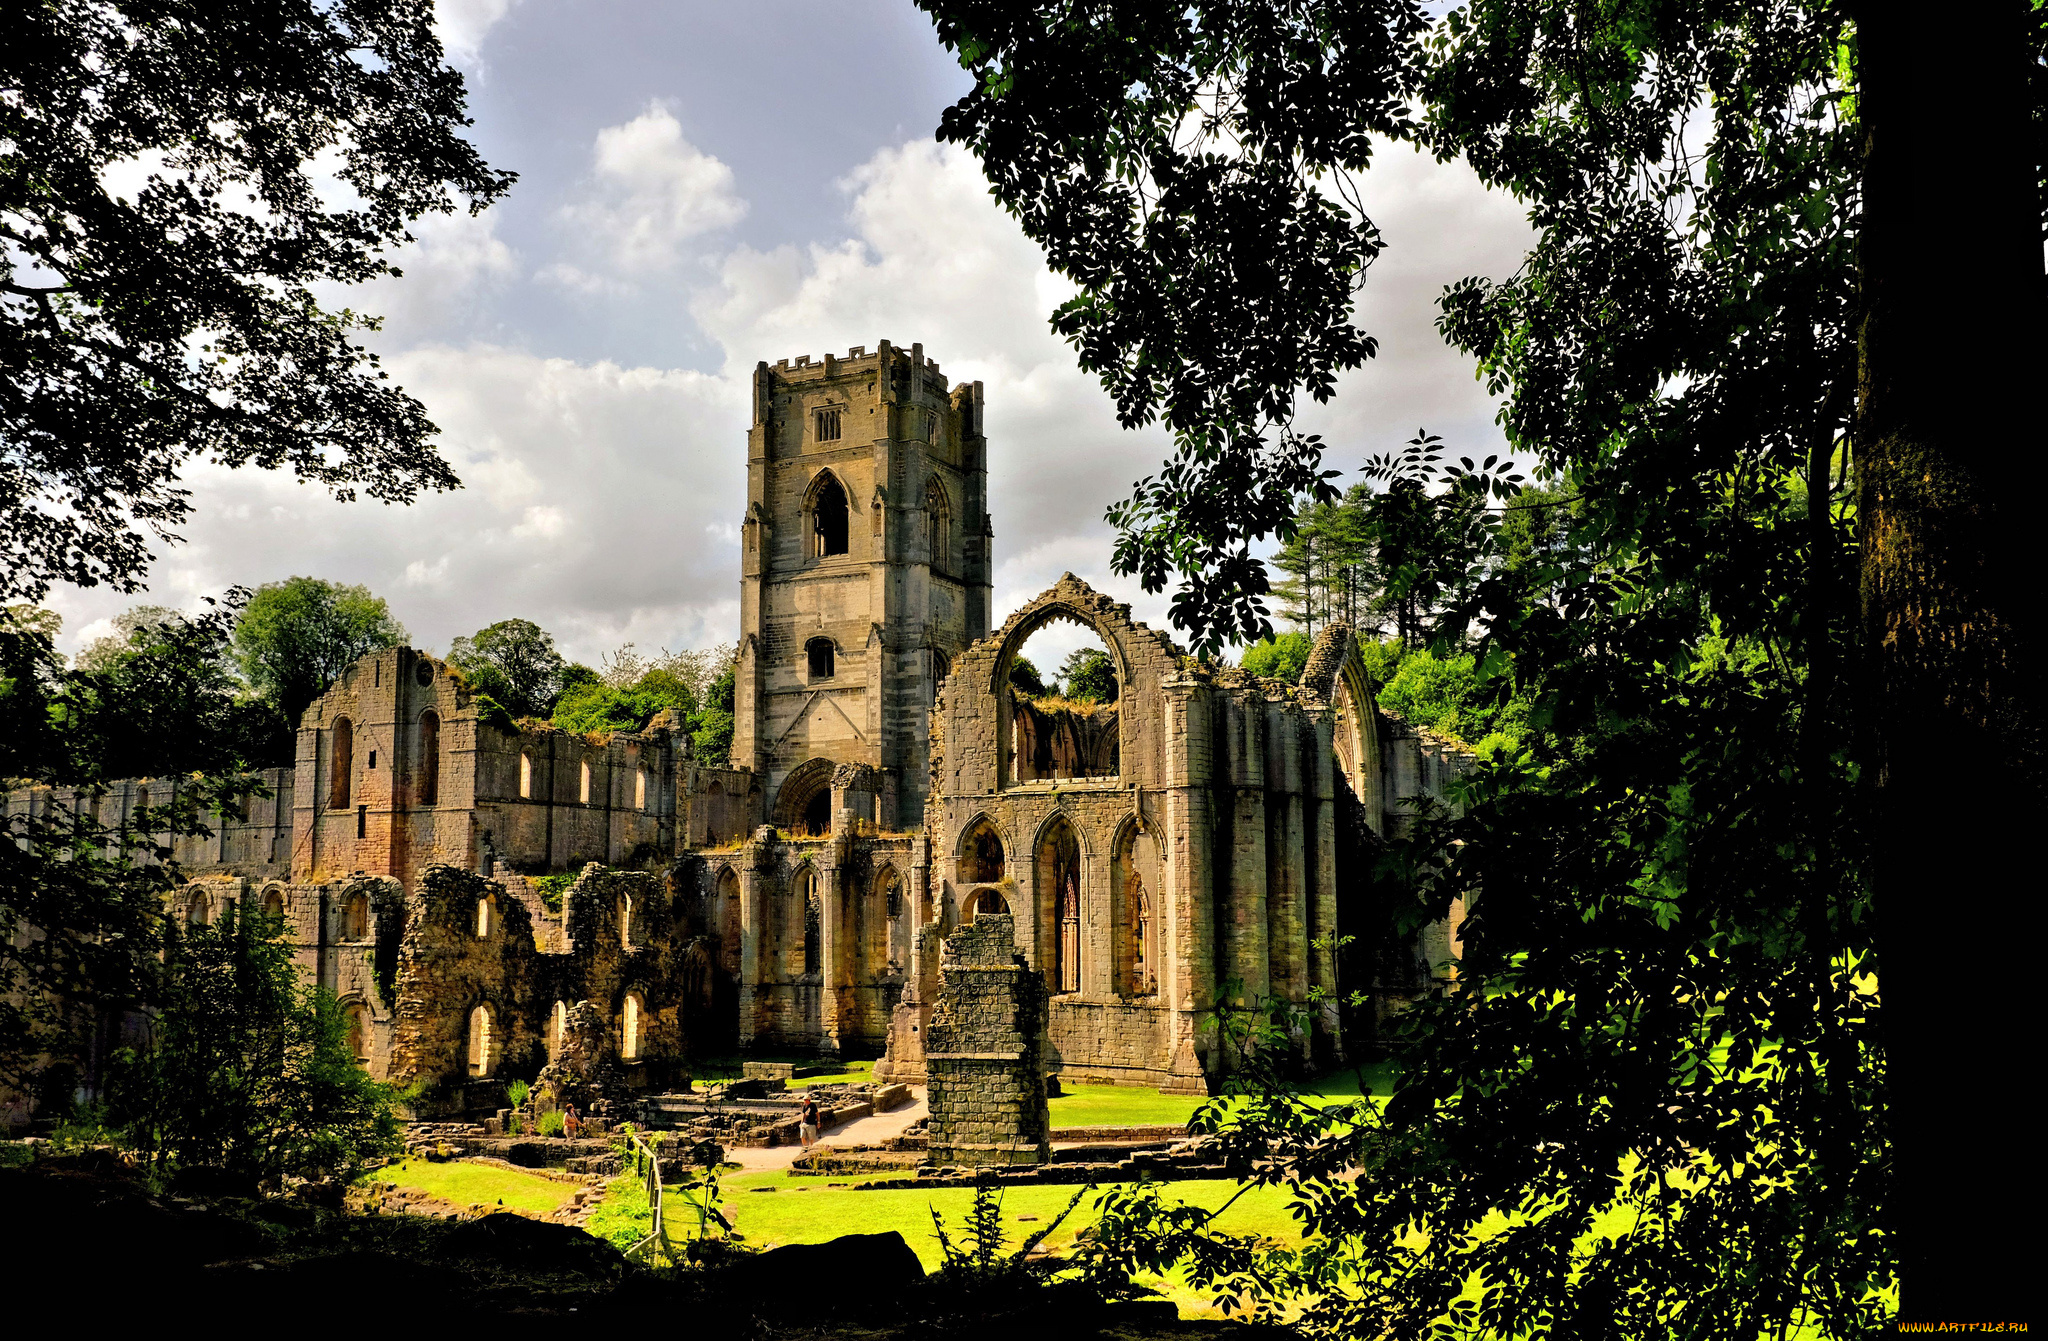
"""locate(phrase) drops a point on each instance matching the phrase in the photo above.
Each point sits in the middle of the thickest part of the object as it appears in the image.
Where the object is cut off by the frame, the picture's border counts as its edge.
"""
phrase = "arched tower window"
(583, 783)
(486, 915)
(342, 764)
(526, 775)
(198, 909)
(823, 662)
(639, 789)
(828, 518)
(273, 903)
(430, 757)
(938, 526)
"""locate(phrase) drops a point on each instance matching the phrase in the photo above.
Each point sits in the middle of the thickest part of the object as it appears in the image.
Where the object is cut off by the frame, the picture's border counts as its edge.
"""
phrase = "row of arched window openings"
(830, 529)
(583, 782)
(341, 765)
(1134, 940)
(486, 1046)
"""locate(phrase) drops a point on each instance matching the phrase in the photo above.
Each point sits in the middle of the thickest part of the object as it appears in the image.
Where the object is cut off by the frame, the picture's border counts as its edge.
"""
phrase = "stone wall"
(985, 1052)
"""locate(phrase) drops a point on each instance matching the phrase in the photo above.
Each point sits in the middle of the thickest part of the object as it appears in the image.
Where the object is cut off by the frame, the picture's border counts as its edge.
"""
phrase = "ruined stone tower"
(865, 569)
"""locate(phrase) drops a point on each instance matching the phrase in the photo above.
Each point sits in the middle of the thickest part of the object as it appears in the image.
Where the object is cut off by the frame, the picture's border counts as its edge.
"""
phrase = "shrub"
(552, 1123)
(1281, 658)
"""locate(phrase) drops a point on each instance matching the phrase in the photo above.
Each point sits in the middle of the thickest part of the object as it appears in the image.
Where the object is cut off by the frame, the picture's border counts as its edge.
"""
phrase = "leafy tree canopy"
(1283, 656)
(1666, 1016)
(94, 889)
(514, 661)
(246, 1073)
(295, 637)
(1024, 675)
(164, 226)
(1088, 675)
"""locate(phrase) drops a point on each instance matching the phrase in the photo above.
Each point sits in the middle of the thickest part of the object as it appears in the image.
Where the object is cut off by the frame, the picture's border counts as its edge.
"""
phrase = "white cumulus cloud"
(651, 191)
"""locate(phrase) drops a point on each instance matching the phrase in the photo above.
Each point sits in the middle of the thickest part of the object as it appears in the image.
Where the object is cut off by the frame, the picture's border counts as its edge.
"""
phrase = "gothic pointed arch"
(827, 515)
(803, 803)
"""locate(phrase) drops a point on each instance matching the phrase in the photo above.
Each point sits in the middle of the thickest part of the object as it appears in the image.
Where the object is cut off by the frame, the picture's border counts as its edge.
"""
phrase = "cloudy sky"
(701, 187)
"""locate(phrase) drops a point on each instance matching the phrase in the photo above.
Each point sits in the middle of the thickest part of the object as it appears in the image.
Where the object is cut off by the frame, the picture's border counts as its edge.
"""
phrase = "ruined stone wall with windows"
(1198, 861)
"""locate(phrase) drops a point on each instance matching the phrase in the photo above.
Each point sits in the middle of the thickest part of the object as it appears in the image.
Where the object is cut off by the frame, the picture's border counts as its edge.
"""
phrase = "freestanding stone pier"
(985, 1052)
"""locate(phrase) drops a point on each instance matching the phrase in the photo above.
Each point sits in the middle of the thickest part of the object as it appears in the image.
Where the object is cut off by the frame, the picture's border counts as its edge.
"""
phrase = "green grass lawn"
(1139, 1106)
(467, 1184)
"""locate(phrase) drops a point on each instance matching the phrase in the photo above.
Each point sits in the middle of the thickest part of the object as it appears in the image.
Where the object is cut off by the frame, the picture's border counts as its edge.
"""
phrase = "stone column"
(831, 972)
(754, 957)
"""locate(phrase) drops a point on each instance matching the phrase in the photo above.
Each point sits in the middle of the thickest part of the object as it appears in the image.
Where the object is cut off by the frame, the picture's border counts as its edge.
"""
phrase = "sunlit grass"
(467, 1184)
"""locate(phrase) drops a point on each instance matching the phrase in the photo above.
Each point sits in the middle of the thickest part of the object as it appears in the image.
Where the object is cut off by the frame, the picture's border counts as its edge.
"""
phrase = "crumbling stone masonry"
(886, 787)
(985, 1052)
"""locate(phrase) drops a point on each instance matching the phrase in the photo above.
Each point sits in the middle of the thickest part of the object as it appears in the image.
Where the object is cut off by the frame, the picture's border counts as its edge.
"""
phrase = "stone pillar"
(754, 963)
(1319, 768)
(985, 1052)
(831, 945)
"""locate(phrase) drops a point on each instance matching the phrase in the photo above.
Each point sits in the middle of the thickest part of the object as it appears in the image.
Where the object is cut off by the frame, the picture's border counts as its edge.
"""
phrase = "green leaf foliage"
(1283, 657)
(1024, 676)
(296, 637)
(166, 227)
(1650, 1103)
(514, 661)
(94, 888)
(245, 1071)
(1088, 675)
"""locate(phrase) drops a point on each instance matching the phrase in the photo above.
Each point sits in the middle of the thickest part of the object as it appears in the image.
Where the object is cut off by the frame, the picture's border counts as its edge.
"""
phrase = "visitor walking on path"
(807, 1124)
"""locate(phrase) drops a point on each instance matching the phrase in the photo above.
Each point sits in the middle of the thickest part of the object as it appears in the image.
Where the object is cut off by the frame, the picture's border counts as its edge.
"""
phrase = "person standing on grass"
(807, 1123)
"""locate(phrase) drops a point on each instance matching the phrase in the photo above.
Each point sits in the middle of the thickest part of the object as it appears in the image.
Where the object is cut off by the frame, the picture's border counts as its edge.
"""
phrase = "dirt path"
(861, 1131)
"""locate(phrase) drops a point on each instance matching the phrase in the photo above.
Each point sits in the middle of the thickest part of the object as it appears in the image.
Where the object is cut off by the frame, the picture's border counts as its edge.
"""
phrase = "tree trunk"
(1951, 345)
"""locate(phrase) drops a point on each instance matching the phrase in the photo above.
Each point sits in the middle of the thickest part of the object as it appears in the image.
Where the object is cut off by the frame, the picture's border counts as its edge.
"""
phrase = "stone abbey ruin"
(1209, 831)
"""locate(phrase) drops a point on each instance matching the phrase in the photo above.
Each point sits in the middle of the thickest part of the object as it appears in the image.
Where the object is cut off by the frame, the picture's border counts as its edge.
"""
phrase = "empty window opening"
(430, 757)
(640, 789)
(423, 673)
(358, 1031)
(629, 1042)
(583, 785)
(828, 425)
(362, 821)
(1059, 861)
(938, 526)
(626, 919)
(341, 761)
(989, 901)
(273, 903)
(813, 917)
(526, 775)
(821, 654)
(198, 911)
(486, 915)
(355, 918)
(558, 1029)
(828, 518)
(1064, 715)
(373, 758)
(981, 854)
(480, 1041)
(1144, 979)
(818, 814)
